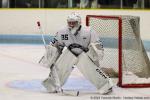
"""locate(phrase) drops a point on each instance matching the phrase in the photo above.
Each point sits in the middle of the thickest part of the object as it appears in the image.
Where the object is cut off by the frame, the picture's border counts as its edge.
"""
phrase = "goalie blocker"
(63, 66)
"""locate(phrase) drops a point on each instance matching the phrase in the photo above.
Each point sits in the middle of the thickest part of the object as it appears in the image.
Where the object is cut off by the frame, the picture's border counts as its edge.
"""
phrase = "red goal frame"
(120, 74)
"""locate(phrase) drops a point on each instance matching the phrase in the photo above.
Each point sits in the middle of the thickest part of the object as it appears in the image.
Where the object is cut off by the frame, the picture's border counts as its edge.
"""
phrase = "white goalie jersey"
(85, 40)
(80, 41)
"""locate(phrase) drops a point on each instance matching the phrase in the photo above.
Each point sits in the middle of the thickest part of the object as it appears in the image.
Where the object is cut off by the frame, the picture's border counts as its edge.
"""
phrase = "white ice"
(21, 76)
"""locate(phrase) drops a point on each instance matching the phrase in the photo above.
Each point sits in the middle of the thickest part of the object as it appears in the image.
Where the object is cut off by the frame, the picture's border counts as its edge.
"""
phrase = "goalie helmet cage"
(127, 56)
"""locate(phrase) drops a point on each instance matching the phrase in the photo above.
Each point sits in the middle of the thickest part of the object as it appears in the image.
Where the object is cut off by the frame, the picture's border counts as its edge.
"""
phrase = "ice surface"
(21, 76)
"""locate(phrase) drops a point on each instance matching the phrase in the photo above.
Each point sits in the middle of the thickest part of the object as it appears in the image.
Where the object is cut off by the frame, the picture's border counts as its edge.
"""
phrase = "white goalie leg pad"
(60, 71)
(50, 85)
(107, 88)
(64, 65)
(93, 73)
(49, 57)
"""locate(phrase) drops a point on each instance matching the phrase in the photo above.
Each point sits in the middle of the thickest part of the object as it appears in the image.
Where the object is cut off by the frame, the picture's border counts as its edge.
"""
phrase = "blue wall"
(37, 39)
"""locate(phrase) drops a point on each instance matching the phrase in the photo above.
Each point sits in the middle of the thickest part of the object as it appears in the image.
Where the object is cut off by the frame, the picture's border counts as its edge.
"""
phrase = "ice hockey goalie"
(75, 45)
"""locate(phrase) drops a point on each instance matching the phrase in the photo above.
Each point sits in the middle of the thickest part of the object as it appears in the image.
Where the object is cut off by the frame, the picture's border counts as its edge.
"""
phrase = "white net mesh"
(122, 46)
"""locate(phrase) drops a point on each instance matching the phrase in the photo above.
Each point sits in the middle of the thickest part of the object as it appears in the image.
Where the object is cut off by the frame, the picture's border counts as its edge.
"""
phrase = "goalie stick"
(62, 91)
(42, 33)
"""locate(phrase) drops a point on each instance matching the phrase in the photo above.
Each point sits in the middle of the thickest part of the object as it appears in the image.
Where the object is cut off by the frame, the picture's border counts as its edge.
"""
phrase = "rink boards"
(37, 39)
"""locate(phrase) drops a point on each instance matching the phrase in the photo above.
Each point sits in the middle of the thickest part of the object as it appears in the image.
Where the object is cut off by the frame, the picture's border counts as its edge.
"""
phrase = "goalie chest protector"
(82, 38)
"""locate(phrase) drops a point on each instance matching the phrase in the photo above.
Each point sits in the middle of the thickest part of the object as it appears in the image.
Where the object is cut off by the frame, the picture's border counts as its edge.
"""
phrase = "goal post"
(124, 54)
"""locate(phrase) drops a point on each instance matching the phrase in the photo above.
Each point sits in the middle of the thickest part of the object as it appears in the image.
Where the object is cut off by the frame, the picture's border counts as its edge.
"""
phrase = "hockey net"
(124, 53)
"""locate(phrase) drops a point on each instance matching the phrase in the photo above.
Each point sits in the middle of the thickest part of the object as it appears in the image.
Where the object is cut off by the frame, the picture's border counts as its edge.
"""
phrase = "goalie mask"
(74, 22)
